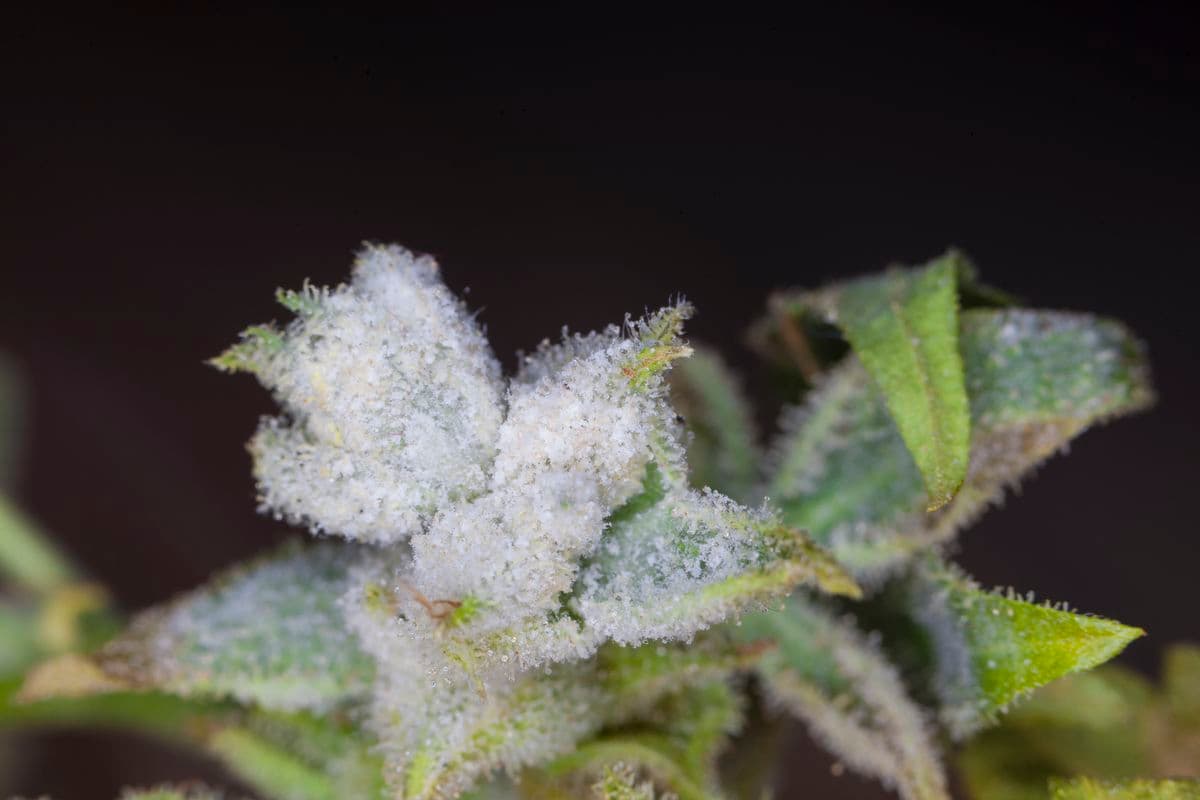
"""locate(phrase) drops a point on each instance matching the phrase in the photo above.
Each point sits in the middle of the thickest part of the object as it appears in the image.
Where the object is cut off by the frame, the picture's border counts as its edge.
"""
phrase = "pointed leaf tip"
(993, 649)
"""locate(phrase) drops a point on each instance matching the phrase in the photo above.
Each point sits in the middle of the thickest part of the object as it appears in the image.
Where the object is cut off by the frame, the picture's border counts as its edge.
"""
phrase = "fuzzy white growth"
(392, 399)
(582, 417)
(448, 737)
(513, 550)
(573, 447)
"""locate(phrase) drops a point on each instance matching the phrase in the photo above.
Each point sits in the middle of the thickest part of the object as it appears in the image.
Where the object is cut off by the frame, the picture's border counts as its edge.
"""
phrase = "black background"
(163, 173)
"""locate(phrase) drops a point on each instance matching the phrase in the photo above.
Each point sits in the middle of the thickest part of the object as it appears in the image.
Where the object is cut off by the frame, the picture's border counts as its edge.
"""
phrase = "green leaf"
(722, 453)
(652, 756)
(1109, 724)
(270, 633)
(299, 756)
(1035, 380)
(273, 770)
(283, 756)
(259, 343)
(1092, 789)
(672, 562)
(691, 560)
(461, 737)
(672, 744)
(904, 328)
(990, 649)
(826, 672)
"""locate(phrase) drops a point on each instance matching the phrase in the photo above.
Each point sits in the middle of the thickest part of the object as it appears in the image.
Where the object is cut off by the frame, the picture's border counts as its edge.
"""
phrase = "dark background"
(163, 173)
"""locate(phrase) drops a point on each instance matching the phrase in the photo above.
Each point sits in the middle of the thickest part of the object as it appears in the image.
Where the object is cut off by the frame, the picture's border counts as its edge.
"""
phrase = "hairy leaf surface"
(271, 633)
(460, 737)
(1035, 380)
(989, 649)
(667, 569)
(903, 326)
(826, 672)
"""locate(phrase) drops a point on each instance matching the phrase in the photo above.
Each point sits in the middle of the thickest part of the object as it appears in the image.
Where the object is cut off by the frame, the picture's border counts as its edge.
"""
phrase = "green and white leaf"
(1109, 723)
(299, 757)
(671, 562)
(271, 633)
(672, 747)
(440, 743)
(722, 452)
(668, 568)
(991, 649)
(1035, 380)
(831, 676)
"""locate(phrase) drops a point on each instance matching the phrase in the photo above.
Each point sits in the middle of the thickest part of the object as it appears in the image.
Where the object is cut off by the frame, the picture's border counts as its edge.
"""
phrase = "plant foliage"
(561, 583)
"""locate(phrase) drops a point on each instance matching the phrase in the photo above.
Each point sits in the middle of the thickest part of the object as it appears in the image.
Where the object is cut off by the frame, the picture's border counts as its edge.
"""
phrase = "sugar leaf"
(690, 560)
(852, 699)
(990, 649)
(1035, 379)
(441, 743)
(270, 633)
(674, 745)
